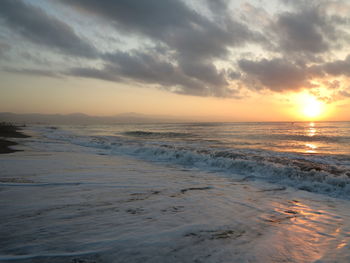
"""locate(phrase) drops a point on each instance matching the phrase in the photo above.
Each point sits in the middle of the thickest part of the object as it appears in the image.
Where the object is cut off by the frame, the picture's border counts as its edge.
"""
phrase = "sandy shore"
(64, 203)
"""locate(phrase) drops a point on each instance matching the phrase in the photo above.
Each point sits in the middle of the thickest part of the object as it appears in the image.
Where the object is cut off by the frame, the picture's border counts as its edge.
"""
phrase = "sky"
(255, 60)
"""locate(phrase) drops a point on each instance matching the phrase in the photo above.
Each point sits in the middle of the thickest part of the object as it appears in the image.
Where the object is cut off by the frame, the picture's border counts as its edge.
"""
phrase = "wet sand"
(65, 203)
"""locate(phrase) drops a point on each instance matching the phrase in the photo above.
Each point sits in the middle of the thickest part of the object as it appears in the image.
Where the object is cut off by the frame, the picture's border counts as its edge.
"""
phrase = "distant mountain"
(80, 118)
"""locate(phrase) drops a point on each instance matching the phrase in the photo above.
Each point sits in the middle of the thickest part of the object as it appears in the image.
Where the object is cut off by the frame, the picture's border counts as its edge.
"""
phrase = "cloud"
(194, 41)
(345, 93)
(38, 27)
(218, 6)
(151, 68)
(205, 72)
(312, 27)
(276, 74)
(32, 72)
(4, 48)
(172, 22)
(338, 67)
(303, 32)
(186, 48)
(304, 40)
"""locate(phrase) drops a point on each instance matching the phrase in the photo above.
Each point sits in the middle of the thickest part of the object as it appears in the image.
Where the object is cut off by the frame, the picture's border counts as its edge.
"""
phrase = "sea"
(309, 156)
(177, 192)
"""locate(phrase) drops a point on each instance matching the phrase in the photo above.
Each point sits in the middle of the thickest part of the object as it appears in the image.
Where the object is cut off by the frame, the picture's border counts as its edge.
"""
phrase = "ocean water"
(190, 192)
(314, 157)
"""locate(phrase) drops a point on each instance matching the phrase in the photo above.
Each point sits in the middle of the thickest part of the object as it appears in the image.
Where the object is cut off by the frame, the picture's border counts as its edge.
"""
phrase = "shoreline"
(9, 130)
(110, 208)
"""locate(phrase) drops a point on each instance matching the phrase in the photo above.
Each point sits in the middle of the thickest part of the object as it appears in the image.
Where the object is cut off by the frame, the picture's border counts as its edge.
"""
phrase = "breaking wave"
(148, 134)
(325, 174)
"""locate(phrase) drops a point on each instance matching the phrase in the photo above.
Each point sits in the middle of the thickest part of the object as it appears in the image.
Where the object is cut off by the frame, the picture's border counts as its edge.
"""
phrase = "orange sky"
(104, 98)
(213, 60)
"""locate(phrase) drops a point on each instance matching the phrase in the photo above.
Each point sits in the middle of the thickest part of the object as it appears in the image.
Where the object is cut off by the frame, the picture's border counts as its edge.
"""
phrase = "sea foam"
(325, 174)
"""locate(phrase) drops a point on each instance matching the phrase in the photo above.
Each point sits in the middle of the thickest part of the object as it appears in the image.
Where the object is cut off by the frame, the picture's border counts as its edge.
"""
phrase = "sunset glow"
(193, 60)
(311, 107)
(307, 107)
(175, 131)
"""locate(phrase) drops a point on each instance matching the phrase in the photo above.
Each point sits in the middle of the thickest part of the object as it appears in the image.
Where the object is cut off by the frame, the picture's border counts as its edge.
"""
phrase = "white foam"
(321, 174)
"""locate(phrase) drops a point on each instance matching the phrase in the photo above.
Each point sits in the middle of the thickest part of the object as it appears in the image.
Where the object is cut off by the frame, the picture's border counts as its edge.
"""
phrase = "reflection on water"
(311, 132)
(341, 245)
(310, 233)
(311, 148)
(325, 137)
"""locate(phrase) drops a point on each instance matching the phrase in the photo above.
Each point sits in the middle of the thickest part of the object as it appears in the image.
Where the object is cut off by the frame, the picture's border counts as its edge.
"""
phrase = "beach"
(62, 202)
(166, 131)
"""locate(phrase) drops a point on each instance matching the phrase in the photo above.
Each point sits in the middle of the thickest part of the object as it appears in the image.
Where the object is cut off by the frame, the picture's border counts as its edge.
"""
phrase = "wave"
(320, 174)
(149, 134)
(303, 174)
(314, 138)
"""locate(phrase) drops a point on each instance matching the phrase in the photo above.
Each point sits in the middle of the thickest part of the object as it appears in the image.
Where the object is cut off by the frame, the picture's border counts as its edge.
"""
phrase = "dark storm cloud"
(276, 74)
(38, 27)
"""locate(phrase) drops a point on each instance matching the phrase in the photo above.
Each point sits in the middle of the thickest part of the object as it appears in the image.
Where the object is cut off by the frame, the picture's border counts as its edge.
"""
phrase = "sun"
(304, 106)
(310, 107)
